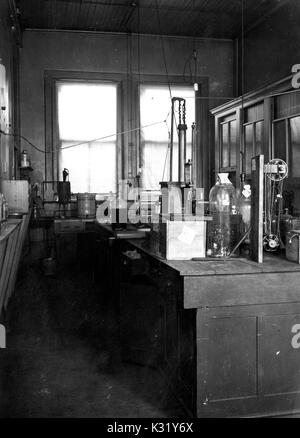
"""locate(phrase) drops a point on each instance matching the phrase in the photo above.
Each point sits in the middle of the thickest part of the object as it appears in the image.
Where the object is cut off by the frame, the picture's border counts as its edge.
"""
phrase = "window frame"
(51, 78)
(202, 168)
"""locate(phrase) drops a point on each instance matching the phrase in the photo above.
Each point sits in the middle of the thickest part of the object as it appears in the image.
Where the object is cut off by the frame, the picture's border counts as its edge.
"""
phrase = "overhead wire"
(82, 142)
(243, 85)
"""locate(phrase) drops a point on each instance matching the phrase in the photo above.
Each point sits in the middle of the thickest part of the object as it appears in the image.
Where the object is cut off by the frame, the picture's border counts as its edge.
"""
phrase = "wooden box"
(16, 193)
(182, 240)
(292, 246)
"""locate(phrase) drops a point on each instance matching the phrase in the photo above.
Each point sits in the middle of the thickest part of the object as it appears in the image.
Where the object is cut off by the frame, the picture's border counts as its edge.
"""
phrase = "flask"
(222, 206)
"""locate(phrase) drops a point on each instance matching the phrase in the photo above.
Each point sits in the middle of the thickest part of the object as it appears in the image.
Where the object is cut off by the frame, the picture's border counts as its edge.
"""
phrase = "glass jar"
(244, 206)
(222, 206)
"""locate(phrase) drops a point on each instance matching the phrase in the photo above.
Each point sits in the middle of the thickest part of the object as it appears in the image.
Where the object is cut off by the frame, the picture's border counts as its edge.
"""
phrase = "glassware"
(244, 205)
(222, 205)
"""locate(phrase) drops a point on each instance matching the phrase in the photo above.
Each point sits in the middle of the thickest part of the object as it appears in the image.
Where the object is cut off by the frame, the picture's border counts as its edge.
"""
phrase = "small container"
(292, 246)
(49, 266)
(24, 159)
(86, 205)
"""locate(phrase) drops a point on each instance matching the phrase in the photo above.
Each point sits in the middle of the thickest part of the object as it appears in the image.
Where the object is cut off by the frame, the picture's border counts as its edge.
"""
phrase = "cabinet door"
(228, 145)
(279, 347)
(248, 360)
(294, 152)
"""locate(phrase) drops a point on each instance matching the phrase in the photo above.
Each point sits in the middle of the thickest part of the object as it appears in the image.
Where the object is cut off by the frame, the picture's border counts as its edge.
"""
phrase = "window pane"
(248, 148)
(155, 106)
(233, 143)
(294, 161)
(87, 112)
(225, 145)
(280, 140)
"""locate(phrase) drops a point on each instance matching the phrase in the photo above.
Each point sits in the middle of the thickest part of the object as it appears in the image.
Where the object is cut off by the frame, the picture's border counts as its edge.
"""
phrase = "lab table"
(225, 333)
(12, 236)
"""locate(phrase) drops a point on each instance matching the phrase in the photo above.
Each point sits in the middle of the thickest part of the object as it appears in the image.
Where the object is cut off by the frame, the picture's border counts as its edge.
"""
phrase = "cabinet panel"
(232, 143)
(279, 348)
(294, 159)
(249, 153)
(248, 360)
(232, 358)
(225, 145)
(279, 148)
(228, 144)
(259, 127)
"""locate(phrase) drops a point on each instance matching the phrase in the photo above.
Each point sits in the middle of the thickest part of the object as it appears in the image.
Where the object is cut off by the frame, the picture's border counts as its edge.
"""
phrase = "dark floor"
(56, 363)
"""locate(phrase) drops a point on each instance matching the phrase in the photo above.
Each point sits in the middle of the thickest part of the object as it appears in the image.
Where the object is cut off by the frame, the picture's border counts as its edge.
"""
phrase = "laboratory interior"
(149, 208)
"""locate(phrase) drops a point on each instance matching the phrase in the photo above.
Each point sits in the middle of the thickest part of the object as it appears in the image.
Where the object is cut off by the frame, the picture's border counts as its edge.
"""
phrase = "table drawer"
(68, 226)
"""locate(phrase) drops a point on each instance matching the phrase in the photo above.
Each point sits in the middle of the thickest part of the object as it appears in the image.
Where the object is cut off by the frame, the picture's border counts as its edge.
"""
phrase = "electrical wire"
(163, 47)
(243, 87)
(23, 138)
(164, 56)
(83, 142)
(168, 149)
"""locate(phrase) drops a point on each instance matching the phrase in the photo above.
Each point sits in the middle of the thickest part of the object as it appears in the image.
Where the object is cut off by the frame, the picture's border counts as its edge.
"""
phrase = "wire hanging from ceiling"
(163, 47)
(242, 153)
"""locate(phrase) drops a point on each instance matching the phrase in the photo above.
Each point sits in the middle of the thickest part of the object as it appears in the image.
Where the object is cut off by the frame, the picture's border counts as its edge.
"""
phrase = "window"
(155, 106)
(87, 114)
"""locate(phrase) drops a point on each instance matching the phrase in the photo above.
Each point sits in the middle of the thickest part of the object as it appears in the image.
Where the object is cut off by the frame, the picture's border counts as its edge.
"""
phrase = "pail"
(86, 205)
(49, 266)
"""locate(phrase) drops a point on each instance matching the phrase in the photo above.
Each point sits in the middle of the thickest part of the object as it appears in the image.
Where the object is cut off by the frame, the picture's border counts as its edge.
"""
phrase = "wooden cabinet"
(239, 132)
(228, 345)
(248, 360)
(226, 335)
(266, 121)
(155, 330)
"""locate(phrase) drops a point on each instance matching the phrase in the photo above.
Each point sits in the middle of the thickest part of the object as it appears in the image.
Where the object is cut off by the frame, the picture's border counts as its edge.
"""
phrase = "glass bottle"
(285, 224)
(222, 205)
(244, 204)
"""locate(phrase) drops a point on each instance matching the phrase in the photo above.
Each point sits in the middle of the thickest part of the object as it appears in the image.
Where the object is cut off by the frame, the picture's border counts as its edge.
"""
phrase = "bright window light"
(155, 106)
(87, 113)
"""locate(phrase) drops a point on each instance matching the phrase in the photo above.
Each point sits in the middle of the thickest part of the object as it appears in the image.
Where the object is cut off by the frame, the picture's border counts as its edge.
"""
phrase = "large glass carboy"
(222, 206)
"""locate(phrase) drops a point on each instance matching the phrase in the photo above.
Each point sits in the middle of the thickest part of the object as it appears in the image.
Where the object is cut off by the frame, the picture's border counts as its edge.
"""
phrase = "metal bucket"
(49, 266)
(86, 205)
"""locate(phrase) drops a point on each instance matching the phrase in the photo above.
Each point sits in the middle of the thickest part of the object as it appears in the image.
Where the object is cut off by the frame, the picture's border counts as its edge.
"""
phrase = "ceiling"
(198, 18)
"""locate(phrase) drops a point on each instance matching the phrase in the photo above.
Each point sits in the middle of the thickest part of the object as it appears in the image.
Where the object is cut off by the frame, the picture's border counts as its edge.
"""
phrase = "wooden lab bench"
(225, 334)
(12, 235)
